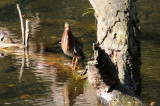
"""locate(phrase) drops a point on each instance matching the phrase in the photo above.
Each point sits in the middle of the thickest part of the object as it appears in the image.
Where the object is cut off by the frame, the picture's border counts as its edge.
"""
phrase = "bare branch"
(22, 25)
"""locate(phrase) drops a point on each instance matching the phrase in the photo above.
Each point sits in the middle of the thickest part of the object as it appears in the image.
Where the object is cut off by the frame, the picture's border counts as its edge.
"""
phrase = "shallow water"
(43, 75)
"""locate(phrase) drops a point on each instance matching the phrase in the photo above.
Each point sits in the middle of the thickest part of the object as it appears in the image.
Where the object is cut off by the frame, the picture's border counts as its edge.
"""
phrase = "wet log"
(114, 70)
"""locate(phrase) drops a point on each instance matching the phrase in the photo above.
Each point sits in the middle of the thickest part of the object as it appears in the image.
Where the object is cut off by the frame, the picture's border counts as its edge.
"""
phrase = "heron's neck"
(69, 39)
(68, 34)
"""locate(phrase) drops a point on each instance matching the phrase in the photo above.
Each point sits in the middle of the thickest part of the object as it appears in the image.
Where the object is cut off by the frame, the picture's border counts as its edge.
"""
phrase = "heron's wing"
(79, 48)
(77, 41)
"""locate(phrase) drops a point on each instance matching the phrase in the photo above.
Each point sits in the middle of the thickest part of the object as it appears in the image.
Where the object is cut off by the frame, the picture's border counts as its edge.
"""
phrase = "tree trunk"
(114, 69)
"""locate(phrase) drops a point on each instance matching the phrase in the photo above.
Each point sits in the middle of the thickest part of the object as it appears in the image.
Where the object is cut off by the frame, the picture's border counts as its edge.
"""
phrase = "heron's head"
(66, 26)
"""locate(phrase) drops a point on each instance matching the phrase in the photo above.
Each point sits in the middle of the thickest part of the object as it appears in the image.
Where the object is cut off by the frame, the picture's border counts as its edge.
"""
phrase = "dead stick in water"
(27, 33)
(22, 25)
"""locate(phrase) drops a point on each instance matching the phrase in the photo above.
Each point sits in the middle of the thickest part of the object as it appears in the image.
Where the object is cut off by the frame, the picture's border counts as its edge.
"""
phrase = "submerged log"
(114, 69)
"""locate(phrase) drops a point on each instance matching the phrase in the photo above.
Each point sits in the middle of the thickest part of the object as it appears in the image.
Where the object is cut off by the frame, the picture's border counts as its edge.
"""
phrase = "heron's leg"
(76, 63)
(72, 62)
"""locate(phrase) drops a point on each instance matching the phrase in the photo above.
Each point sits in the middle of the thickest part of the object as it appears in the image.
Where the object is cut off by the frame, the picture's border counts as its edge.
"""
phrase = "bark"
(114, 69)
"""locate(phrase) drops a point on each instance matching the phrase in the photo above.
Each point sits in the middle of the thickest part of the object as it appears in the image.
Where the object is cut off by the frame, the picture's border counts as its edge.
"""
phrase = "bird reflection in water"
(73, 89)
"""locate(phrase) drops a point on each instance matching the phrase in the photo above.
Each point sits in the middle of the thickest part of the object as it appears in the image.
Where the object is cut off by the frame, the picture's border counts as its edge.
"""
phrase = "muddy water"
(43, 75)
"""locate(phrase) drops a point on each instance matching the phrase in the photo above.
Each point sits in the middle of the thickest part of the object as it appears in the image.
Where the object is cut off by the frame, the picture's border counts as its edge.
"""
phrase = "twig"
(27, 33)
(22, 25)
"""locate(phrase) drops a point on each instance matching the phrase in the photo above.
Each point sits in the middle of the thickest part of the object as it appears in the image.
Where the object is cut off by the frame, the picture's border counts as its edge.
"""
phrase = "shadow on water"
(43, 75)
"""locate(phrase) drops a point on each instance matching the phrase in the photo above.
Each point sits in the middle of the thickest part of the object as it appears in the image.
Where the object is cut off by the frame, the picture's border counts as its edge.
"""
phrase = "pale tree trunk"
(114, 69)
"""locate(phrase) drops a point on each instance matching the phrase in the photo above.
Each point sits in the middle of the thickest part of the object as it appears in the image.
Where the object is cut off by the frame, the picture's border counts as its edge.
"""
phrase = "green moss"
(127, 100)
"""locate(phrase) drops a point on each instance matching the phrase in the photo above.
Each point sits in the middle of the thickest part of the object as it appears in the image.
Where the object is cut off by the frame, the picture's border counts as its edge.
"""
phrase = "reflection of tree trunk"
(116, 63)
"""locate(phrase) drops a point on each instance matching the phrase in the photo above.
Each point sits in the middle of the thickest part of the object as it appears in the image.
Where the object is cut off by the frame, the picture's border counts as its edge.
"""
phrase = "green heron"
(5, 38)
(71, 46)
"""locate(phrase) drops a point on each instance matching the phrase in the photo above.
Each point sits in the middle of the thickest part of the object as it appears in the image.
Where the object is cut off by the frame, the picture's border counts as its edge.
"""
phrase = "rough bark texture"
(114, 69)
